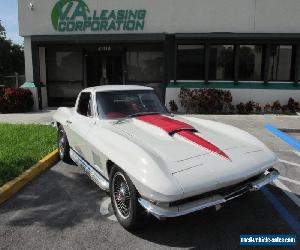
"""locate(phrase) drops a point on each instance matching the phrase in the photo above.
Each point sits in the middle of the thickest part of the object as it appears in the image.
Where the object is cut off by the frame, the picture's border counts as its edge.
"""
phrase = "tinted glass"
(120, 104)
(64, 72)
(221, 58)
(190, 62)
(145, 65)
(250, 62)
(280, 62)
(84, 104)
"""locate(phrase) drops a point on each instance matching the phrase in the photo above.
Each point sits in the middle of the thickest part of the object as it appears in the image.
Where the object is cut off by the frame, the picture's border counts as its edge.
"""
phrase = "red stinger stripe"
(167, 124)
(170, 125)
(202, 142)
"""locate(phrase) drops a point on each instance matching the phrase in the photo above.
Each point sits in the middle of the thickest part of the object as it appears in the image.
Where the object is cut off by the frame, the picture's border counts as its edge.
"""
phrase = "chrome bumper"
(190, 207)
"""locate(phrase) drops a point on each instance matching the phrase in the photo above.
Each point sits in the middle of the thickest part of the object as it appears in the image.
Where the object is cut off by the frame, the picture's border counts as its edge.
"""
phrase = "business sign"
(75, 15)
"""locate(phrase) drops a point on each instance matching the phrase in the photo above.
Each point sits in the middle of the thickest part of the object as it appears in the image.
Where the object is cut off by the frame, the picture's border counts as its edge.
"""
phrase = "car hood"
(220, 159)
(169, 145)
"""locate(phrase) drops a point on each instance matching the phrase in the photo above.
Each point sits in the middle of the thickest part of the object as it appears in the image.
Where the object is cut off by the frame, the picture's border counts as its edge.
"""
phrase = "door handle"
(69, 122)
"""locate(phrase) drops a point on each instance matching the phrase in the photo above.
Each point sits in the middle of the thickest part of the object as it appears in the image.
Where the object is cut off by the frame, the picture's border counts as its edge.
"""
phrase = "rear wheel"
(63, 145)
(124, 199)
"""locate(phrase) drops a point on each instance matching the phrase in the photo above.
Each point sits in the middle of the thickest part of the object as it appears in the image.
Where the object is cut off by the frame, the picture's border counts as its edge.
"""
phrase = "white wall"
(28, 59)
(261, 96)
(178, 16)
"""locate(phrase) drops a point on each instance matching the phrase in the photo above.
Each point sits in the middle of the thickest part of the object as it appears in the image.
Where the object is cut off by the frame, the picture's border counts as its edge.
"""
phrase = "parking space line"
(288, 192)
(289, 180)
(297, 153)
(284, 213)
(290, 163)
(283, 136)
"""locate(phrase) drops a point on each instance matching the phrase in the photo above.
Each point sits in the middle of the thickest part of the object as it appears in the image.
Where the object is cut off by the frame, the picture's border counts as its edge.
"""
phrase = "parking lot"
(63, 209)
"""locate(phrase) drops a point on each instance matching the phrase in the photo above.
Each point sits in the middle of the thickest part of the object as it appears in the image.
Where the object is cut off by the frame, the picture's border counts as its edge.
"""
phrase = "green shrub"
(173, 106)
(276, 107)
(15, 100)
(205, 101)
(241, 108)
(293, 106)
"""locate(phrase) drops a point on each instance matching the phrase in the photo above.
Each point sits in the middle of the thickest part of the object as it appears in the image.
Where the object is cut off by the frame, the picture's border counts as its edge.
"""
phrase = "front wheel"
(124, 199)
(63, 145)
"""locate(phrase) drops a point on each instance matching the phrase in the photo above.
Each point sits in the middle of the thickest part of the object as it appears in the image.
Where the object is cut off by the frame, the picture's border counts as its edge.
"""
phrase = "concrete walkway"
(253, 124)
(245, 121)
(42, 117)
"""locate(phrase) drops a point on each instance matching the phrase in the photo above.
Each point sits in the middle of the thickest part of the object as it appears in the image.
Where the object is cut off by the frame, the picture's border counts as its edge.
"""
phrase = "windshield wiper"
(143, 113)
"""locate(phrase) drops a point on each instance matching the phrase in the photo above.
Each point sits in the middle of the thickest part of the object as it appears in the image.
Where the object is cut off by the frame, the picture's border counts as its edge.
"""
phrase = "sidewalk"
(41, 117)
(253, 124)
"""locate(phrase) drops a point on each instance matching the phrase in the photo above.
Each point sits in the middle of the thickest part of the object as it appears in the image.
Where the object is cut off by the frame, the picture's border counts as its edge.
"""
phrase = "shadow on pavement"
(59, 201)
(54, 200)
(211, 229)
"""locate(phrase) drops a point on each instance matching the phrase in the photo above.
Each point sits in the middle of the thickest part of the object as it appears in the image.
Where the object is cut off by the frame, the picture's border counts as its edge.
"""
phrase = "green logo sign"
(75, 15)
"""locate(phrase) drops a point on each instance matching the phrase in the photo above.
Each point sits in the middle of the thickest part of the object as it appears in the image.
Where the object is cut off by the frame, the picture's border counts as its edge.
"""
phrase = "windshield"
(129, 103)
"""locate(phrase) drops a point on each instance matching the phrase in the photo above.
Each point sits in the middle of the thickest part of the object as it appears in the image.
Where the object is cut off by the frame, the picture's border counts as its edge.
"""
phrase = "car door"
(81, 123)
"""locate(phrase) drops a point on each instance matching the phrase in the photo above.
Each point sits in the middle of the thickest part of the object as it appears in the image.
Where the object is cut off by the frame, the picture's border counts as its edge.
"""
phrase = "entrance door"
(104, 69)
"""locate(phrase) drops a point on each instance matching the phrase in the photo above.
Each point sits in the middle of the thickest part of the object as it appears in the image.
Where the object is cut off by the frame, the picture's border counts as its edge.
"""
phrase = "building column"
(28, 59)
(29, 71)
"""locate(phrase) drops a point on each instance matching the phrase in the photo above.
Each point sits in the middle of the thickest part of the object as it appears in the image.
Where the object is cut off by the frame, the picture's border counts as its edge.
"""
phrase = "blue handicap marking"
(283, 136)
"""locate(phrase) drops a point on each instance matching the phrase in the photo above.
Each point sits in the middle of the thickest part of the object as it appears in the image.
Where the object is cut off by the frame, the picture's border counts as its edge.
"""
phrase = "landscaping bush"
(173, 106)
(267, 108)
(15, 100)
(257, 108)
(216, 101)
(293, 106)
(276, 107)
(241, 108)
(250, 106)
(205, 101)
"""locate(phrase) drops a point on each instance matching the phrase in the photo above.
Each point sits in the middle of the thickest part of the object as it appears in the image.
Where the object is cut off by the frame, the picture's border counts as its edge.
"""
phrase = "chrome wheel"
(61, 144)
(121, 195)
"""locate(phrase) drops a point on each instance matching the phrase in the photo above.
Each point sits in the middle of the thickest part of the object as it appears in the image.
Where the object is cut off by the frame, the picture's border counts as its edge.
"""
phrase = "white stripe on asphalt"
(104, 206)
(297, 153)
(288, 192)
(290, 163)
(289, 180)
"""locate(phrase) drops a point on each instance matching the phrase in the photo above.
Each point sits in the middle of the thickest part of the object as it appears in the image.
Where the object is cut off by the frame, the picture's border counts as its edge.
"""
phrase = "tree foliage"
(11, 55)
(2, 30)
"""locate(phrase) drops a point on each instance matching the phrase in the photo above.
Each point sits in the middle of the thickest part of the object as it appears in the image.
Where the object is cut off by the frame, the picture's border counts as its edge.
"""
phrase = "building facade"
(251, 47)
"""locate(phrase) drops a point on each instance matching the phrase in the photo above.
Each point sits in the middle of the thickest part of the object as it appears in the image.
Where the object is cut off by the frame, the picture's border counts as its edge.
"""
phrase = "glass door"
(105, 68)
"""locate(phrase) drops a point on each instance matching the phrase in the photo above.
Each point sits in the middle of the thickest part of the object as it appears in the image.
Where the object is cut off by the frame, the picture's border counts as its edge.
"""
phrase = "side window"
(85, 104)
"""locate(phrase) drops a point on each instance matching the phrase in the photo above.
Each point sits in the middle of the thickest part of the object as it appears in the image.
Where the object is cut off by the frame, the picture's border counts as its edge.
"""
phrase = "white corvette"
(170, 165)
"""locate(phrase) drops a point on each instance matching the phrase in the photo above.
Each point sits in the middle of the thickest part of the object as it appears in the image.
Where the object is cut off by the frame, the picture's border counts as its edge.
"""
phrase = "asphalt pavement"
(64, 209)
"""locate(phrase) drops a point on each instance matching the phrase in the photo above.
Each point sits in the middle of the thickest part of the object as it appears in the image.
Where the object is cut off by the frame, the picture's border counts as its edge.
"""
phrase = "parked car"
(150, 160)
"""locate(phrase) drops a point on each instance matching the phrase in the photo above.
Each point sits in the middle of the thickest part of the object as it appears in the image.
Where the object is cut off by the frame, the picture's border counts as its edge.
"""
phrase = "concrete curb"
(12, 187)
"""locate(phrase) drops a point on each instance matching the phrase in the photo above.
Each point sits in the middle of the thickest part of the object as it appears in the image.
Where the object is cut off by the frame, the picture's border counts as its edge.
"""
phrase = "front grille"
(229, 191)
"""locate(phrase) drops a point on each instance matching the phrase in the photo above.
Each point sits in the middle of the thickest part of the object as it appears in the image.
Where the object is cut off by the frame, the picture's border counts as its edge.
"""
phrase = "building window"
(250, 62)
(190, 62)
(221, 62)
(145, 64)
(65, 66)
(64, 73)
(280, 62)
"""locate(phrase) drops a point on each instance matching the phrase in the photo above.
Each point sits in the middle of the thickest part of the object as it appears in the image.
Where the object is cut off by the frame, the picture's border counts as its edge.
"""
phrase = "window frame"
(292, 63)
(204, 59)
(210, 45)
(91, 106)
(262, 66)
(237, 42)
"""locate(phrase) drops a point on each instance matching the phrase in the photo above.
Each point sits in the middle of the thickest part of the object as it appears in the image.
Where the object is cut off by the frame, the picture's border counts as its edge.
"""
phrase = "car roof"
(106, 88)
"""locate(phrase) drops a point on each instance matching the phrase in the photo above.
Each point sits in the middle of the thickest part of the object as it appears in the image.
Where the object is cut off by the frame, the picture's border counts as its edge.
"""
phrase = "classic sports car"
(170, 165)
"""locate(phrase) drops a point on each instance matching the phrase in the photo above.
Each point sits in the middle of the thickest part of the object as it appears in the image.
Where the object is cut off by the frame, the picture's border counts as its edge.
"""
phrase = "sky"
(9, 19)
